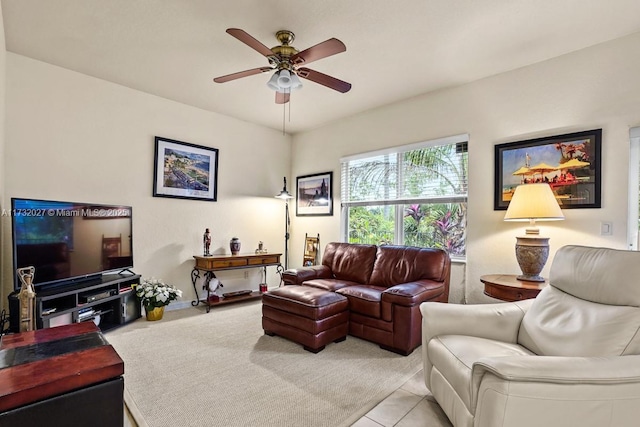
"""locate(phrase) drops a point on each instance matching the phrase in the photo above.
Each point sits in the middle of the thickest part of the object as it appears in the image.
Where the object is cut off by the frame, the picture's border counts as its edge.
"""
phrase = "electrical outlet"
(246, 274)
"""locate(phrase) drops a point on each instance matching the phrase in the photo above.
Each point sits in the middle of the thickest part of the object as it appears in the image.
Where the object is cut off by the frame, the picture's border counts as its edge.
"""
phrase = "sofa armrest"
(296, 276)
(412, 293)
(556, 371)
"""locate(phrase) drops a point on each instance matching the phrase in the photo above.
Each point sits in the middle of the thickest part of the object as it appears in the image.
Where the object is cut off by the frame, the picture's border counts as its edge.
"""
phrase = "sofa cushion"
(329, 284)
(600, 268)
(454, 356)
(590, 310)
(364, 299)
(559, 324)
(402, 264)
(350, 262)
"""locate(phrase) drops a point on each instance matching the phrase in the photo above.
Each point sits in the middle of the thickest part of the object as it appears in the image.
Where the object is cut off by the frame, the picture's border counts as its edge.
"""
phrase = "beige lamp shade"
(531, 202)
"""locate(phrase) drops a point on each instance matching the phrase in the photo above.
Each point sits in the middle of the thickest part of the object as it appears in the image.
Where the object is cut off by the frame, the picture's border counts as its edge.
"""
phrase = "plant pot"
(154, 313)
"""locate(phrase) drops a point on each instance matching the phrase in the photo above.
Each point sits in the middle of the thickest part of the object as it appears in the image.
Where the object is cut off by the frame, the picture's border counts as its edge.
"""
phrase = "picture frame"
(186, 171)
(570, 163)
(314, 194)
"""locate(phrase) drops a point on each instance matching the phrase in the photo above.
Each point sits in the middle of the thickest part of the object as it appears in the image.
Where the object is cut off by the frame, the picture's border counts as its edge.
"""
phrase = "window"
(412, 195)
(634, 189)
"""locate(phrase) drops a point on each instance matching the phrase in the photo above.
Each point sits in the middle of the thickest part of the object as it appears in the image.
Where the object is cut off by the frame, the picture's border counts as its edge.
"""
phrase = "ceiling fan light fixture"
(295, 82)
(273, 82)
(284, 79)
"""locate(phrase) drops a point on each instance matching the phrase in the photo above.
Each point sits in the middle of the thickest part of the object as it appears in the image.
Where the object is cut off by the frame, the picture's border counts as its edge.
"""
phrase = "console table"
(210, 264)
(507, 287)
(68, 375)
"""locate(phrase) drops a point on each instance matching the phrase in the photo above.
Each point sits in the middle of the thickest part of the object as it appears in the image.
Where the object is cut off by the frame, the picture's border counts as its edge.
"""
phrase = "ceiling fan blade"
(250, 41)
(323, 79)
(319, 51)
(238, 75)
(282, 98)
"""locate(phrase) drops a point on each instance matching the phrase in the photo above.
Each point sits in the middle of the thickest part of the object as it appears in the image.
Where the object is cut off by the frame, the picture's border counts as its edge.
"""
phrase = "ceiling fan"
(288, 63)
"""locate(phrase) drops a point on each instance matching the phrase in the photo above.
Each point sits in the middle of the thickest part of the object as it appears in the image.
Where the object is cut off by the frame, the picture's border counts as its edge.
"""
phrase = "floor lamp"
(284, 195)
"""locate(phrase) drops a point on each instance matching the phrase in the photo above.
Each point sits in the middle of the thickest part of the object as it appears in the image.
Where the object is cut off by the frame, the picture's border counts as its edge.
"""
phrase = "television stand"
(109, 301)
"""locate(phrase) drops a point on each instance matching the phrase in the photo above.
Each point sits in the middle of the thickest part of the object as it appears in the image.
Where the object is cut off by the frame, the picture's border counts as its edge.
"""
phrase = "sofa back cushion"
(350, 262)
(590, 308)
(402, 264)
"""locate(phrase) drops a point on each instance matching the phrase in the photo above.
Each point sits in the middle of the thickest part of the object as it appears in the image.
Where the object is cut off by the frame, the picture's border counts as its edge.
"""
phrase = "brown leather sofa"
(384, 285)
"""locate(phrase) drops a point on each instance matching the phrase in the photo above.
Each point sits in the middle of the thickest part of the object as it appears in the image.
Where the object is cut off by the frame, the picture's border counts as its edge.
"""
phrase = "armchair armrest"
(613, 370)
(500, 321)
(296, 276)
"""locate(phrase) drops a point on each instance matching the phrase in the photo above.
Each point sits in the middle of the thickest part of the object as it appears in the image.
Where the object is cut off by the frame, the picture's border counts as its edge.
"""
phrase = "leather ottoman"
(309, 316)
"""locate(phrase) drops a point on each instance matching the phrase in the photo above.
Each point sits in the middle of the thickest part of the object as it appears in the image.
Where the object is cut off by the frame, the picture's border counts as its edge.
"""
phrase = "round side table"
(506, 287)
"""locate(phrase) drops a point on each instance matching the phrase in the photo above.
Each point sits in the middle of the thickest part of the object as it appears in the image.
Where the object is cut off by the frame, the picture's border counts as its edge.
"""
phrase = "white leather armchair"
(570, 357)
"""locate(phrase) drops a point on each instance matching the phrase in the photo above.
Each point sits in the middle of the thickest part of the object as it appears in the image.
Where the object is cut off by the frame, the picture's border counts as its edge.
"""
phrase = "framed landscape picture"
(314, 194)
(569, 163)
(184, 170)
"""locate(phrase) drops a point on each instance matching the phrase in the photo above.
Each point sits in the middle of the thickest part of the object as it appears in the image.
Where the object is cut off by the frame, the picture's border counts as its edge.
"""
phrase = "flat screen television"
(70, 242)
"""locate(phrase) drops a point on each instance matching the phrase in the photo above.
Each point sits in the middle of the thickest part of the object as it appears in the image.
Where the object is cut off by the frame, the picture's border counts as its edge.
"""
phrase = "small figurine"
(261, 249)
(27, 298)
(206, 240)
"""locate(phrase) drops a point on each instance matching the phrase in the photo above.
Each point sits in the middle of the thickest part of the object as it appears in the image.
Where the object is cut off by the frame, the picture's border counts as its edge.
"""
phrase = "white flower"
(154, 293)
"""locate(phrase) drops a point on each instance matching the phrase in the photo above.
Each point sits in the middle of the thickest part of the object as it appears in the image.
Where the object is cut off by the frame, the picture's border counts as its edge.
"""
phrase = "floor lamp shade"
(531, 202)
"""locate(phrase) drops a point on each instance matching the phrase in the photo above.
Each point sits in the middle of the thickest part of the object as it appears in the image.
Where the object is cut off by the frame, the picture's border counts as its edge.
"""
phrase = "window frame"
(398, 151)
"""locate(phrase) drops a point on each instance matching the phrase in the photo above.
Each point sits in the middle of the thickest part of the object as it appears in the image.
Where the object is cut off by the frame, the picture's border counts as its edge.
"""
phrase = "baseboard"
(178, 305)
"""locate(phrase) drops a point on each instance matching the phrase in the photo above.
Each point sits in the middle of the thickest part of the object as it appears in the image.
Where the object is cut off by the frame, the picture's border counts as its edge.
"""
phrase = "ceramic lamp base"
(532, 253)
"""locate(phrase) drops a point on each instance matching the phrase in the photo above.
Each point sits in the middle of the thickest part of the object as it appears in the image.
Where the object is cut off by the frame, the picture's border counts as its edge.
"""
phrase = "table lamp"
(531, 202)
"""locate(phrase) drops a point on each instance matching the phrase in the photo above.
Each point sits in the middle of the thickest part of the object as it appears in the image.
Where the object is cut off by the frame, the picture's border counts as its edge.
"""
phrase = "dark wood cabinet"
(58, 377)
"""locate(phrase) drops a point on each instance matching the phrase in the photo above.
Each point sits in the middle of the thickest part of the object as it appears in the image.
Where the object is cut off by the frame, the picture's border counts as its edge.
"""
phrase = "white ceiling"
(395, 49)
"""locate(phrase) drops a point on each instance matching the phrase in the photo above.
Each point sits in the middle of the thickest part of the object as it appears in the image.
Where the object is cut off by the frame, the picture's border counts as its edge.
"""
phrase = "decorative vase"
(154, 313)
(234, 245)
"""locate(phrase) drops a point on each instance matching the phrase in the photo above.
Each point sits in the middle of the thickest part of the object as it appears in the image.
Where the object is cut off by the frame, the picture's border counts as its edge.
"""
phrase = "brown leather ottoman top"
(305, 301)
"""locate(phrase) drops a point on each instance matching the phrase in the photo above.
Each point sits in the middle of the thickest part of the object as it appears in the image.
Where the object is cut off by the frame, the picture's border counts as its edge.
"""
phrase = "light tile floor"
(412, 405)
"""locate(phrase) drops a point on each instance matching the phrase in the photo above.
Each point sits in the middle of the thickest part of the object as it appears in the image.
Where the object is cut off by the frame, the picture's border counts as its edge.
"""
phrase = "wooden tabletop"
(48, 362)
(507, 287)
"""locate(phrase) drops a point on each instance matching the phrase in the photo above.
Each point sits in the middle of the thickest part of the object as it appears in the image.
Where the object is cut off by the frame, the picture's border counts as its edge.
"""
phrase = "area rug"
(219, 369)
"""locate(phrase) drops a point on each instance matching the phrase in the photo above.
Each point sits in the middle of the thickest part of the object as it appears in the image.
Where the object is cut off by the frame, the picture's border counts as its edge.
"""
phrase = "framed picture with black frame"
(184, 170)
(569, 163)
(314, 195)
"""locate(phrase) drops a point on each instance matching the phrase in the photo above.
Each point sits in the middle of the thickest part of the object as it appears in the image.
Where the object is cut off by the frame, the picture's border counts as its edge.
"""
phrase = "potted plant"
(155, 295)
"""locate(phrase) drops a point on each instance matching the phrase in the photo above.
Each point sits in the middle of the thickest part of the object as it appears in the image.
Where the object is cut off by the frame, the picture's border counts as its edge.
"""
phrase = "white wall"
(593, 88)
(72, 137)
(3, 235)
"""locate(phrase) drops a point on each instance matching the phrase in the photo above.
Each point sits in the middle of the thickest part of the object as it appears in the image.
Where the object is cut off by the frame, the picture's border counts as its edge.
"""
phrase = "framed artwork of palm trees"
(569, 163)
